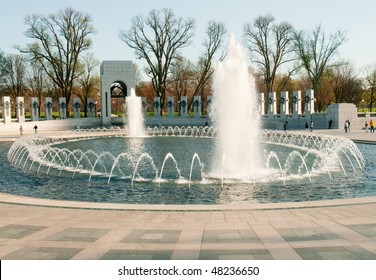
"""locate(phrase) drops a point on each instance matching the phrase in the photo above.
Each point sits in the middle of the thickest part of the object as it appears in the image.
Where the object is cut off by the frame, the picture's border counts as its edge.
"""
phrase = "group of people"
(35, 129)
(371, 126)
(309, 126)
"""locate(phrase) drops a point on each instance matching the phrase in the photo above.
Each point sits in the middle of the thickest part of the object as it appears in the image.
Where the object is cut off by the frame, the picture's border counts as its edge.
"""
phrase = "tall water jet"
(135, 123)
(235, 114)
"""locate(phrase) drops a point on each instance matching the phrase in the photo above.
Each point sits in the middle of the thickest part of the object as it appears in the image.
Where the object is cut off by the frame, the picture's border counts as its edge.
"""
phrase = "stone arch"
(118, 76)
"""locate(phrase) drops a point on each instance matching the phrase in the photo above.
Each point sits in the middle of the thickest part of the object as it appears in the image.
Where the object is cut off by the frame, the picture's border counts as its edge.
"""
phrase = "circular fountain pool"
(177, 166)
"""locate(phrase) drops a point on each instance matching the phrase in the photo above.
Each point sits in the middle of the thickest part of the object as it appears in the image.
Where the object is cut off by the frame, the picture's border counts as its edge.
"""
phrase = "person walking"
(372, 126)
(306, 125)
(21, 130)
(35, 128)
(366, 126)
(346, 126)
(311, 126)
(330, 124)
(285, 125)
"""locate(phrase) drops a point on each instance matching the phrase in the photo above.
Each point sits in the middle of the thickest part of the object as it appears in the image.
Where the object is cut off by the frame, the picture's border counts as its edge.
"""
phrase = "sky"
(110, 16)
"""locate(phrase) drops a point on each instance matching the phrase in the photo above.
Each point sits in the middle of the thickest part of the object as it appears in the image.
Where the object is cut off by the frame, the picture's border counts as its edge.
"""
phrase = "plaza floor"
(47, 229)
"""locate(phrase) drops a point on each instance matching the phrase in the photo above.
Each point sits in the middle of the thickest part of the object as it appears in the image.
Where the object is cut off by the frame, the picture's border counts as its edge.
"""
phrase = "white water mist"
(235, 114)
(135, 123)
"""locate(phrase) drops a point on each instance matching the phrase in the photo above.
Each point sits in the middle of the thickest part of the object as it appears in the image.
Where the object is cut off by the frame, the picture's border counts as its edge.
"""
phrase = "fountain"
(135, 124)
(234, 113)
(232, 162)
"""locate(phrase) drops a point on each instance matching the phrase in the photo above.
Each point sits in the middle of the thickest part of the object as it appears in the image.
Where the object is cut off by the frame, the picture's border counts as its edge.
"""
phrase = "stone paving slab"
(294, 231)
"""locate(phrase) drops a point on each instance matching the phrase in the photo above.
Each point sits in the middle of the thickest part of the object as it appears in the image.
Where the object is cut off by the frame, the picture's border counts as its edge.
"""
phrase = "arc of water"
(122, 155)
(102, 155)
(274, 155)
(141, 157)
(340, 162)
(296, 153)
(195, 156)
(85, 154)
(59, 155)
(75, 158)
(348, 158)
(323, 160)
(169, 156)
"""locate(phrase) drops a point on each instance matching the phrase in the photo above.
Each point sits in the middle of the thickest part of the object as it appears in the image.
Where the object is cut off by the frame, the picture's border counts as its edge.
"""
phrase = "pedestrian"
(330, 124)
(306, 125)
(366, 126)
(35, 128)
(311, 126)
(346, 126)
(21, 130)
(285, 125)
(372, 125)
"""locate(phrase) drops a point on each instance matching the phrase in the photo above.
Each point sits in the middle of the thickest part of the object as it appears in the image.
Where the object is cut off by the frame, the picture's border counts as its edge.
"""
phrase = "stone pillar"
(261, 103)
(170, 106)
(309, 102)
(7, 109)
(90, 107)
(209, 103)
(48, 114)
(284, 104)
(197, 106)
(144, 104)
(183, 106)
(106, 108)
(20, 109)
(76, 108)
(34, 109)
(272, 106)
(296, 104)
(62, 108)
(157, 106)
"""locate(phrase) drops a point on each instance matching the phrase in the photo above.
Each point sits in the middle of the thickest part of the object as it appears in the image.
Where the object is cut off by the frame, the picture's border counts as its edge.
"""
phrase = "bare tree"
(213, 41)
(59, 40)
(158, 39)
(369, 73)
(89, 80)
(3, 68)
(38, 81)
(182, 78)
(316, 51)
(15, 78)
(271, 46)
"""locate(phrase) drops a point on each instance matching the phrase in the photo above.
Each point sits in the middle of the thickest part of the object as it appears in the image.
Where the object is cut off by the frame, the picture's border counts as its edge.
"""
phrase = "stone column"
(272, 106)
(197, 106)
(309, 102)
(20, 109)
(261, 102)
(284, 104)
(170, 106)
(7, 109)
(157, 106)
(90, 107)
(296, 104)
(48, 114)
(34, 109)
(76, 108)
(144, 104)
(62, 108)
(183, 106)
